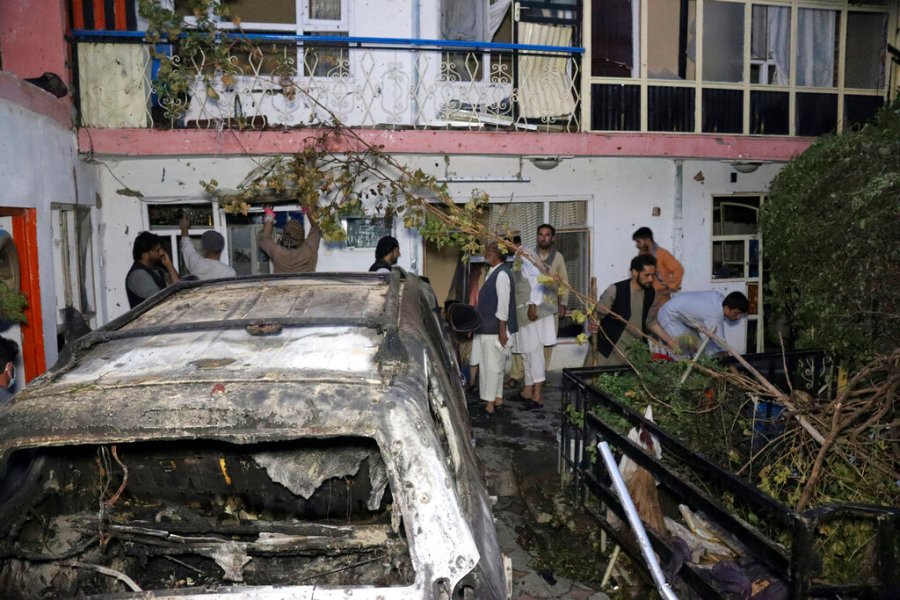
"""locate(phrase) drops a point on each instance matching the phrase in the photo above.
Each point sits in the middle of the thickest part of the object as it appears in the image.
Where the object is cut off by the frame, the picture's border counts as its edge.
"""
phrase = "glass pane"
(615, 107)
(363, 233)
(522, 218)
(769, 113)
(572, 213)
(866, 43)
(817, 47)
(329, 10)
(169, 215)
(723, 111)
(613, 50)
(270, 11)
(723, 41)
(735, 216)
(728, 260)
(574, 245)
(816, 114)
(752, 332)
(859, 109)
(670, 109)
(671, 40)
(242, 247)
(770, 45)
(326, 59)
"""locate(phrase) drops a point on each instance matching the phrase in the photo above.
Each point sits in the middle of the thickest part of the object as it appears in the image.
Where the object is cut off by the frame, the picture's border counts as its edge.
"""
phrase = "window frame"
(640, 78)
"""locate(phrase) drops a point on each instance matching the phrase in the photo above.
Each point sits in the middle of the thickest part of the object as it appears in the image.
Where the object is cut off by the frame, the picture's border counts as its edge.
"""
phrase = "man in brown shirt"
(295, 252)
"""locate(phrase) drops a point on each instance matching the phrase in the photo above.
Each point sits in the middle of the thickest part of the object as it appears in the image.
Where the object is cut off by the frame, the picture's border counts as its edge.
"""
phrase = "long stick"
(635, 521)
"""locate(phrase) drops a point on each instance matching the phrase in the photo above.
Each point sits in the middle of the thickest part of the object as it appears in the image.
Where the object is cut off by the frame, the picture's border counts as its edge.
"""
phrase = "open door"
(19, 270)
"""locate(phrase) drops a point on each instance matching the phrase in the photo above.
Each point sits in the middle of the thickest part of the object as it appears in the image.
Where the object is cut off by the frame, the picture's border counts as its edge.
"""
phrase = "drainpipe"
(636, 526)
(416, 34)
(678, 210)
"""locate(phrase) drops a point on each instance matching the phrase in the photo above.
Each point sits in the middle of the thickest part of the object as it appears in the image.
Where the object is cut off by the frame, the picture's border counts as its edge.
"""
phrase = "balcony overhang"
(198, 142)
(36, 100)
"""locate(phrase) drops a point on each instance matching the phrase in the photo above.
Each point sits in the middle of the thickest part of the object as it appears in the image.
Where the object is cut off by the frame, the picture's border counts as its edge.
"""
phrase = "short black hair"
(643, 233)
(642, 260)
(144, 242)
(386, 245)
(9, 350)
(547, 226)
(737, 300)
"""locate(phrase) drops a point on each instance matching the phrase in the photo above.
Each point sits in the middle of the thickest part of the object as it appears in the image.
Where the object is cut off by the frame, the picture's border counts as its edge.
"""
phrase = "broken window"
(671, 39)
(614, 48)
(770, 45)
(866, 43)
(723, 43)
(200, 515)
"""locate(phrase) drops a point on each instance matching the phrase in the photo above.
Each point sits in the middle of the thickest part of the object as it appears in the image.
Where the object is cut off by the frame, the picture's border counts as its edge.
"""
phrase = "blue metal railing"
(84, 35)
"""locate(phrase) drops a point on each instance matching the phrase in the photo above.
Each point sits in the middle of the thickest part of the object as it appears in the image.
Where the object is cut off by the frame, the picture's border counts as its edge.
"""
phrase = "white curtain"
(496, 12)
(545, 84)
(778, 20)
(815, 47)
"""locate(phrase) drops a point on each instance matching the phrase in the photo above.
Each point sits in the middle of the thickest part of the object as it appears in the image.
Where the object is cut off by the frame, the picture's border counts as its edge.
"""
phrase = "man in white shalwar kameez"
(536, 332)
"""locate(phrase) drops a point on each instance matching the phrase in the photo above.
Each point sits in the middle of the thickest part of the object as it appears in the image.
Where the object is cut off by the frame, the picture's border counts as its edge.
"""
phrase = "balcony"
(266, 81)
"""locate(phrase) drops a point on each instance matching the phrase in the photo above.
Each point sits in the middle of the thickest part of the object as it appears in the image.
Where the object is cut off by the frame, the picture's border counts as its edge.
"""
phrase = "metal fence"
(793, 564)
(282, 81)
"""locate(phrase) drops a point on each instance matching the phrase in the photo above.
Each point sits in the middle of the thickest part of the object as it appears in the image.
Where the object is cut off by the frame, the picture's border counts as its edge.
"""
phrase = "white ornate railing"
(301, 81)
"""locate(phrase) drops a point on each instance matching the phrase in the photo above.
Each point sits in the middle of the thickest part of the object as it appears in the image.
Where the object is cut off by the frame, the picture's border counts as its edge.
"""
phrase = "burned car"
(264, 437)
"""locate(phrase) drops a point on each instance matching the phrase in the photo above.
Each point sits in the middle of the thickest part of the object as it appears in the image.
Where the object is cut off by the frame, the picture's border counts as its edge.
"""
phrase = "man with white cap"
(210, 265)
(295, 252)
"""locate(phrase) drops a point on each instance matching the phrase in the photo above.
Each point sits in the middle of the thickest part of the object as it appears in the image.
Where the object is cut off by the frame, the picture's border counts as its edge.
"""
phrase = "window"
(164, 220)
(73, 259)
(735, 238)
(737, 255)
(771, 69)
(243, 234)
(363, 232)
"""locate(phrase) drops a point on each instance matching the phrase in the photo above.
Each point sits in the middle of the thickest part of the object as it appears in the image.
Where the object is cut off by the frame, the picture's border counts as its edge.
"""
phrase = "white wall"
(37, 168)
(622, 194)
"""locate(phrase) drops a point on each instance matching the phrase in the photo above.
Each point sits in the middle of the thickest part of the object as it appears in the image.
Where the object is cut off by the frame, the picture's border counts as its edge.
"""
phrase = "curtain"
(464, 20)
(545, 84)
(815, 47)
(778, 20)
(496, 12)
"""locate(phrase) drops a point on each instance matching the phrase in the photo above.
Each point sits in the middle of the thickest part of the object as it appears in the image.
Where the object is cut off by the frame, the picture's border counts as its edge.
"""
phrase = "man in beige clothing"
(295, 252)
(554, 265)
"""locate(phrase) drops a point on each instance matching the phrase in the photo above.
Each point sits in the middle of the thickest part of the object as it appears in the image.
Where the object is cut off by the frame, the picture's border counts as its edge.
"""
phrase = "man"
(555, 266)
(684, 315)
(669, 271)
(294, 252)
(631, 299)
(146, 276)
(210, 265)
(386, 254)
(537, 326)
(9, 353)
(497, 313)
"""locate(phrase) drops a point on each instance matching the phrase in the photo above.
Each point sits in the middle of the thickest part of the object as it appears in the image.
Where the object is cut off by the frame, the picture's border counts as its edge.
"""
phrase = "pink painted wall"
(189, 142)
(32, 37)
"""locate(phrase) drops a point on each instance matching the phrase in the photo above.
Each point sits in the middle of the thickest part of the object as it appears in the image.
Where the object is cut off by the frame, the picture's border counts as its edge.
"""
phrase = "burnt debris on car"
(277, 436)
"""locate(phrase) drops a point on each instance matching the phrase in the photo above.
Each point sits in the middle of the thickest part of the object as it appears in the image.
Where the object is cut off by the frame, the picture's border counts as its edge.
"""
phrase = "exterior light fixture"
(745, 166)
(545, 163)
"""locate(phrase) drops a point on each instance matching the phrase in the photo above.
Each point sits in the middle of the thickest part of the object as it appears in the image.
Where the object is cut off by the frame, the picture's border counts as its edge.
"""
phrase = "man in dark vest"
(632, 300)
(146, 276)
(497, 312)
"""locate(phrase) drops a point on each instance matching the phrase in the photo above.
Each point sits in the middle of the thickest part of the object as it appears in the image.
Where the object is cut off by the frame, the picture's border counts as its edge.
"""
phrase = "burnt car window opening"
(312, 511)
